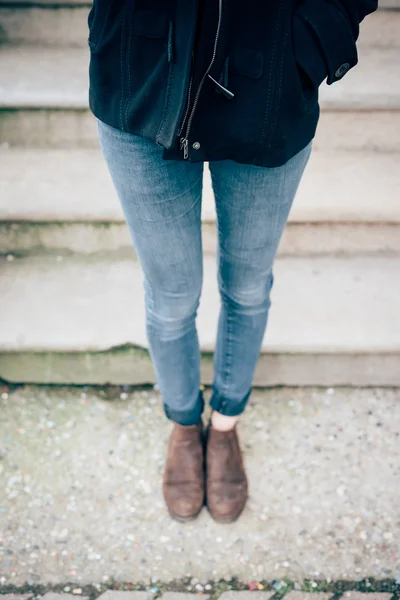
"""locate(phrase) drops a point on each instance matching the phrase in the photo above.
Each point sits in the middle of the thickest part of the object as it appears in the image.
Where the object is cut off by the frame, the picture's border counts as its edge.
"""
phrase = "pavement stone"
(182, 596)
(294, 595)
(122, 595)
(354, 595)
(231, 595)
(60, 596)
(15, 596)
(246, 595)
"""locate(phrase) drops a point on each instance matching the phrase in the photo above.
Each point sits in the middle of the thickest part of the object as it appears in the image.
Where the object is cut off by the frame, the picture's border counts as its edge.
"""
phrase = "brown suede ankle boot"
(183, 481)
(226, 481)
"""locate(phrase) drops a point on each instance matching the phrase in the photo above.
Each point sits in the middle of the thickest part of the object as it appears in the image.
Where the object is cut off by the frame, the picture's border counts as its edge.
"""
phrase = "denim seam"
(190, 207)
(226, 367)
(200, 179)
(228, 353)
(175, 415)
(176, 219)
(220, 402)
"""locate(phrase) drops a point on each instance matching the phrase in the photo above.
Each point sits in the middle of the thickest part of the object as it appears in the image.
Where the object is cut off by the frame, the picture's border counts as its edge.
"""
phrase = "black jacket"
(219, 79)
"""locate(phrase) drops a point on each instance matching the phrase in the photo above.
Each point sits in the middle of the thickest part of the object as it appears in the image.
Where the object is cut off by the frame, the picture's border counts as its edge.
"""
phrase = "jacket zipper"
(188, 101)
(185, 140)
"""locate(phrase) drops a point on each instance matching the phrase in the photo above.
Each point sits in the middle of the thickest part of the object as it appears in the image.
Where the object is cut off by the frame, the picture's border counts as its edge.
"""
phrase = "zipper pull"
(185, 147)
(223, 90)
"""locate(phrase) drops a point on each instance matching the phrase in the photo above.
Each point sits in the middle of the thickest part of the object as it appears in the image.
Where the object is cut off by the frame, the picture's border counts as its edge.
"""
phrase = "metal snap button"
(342, 70)
(196, 145)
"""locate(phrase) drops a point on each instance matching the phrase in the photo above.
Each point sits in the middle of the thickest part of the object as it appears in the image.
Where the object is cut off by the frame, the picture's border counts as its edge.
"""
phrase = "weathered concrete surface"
(89, 238)
(57, 207)
(64, 186)
(338, 208)
(66, 26)
(81, 494)
(321, 305)
(130, 365)
(333, 321)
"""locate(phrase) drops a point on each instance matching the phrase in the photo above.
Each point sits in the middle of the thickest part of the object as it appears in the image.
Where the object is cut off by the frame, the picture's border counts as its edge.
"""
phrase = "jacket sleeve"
(325, 34)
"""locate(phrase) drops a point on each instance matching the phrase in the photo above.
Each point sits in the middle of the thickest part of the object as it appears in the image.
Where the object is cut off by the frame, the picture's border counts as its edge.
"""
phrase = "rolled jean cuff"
(228, 407)
(187, 417)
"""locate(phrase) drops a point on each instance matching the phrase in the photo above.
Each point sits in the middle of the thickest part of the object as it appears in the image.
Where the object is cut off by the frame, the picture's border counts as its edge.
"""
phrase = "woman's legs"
(252, 204)
(162, 205)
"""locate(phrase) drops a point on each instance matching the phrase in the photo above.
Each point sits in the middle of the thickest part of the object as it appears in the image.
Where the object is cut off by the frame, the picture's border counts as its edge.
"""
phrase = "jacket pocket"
(308, 55)
(247, 62)
(324, 43)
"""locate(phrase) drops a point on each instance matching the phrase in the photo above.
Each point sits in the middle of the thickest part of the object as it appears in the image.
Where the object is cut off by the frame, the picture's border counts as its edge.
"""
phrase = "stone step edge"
(290, 588)
(299, 239)
(207, 220)
(206, 351)
(131, 365)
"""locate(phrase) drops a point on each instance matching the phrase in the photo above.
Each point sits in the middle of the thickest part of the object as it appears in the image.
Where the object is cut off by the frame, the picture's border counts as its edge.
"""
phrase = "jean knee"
(247, 297)
(172, 313)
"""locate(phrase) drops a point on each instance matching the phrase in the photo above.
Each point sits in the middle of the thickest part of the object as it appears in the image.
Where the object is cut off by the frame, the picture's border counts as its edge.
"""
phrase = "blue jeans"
(161, 201)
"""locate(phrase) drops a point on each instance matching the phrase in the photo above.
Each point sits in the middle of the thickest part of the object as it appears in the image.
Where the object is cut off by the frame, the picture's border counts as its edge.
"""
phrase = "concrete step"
(43, 101)
(389, 4)
(65, 25)
(66, 203)
(333, 321)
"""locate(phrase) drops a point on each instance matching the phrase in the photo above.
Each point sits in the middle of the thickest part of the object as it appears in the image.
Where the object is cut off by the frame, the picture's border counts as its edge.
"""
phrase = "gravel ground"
(80, 489)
